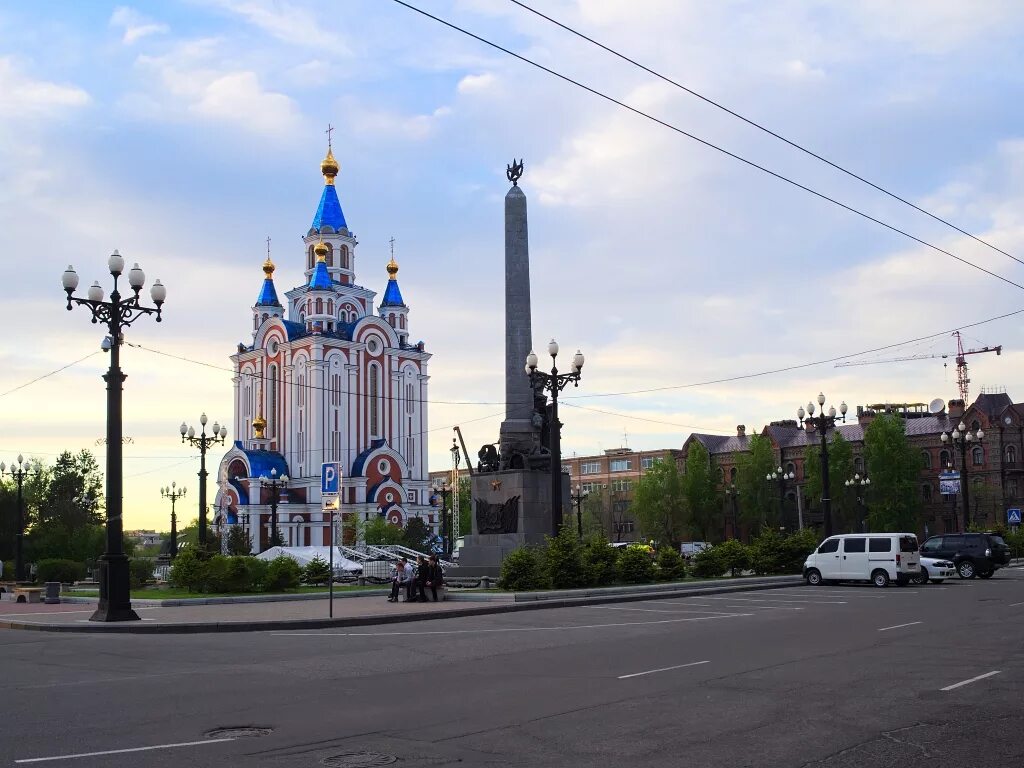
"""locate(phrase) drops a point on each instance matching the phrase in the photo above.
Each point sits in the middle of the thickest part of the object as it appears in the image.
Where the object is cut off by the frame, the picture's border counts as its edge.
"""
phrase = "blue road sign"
(1013, 516)
(330, 478)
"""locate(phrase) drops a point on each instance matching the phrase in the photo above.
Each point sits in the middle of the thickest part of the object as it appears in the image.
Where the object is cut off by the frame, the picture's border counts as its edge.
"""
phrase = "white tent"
(302, 555)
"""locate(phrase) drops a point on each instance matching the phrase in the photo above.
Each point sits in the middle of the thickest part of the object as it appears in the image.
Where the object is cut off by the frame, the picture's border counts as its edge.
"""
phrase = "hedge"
(55, 569)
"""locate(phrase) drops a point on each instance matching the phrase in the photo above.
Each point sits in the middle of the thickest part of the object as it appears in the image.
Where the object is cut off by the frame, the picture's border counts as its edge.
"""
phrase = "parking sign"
(330, 478)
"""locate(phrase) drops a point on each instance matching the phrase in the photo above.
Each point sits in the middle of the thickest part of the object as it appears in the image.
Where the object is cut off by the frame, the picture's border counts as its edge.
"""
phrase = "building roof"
(268, 295)
(719, 444)
(360, 462)
(329, 217)
(992, 404)
(320, 280)
(261, 462)
(392, 295)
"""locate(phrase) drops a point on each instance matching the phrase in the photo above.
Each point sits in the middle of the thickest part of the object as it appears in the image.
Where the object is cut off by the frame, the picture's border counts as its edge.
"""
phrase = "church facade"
(329, 376)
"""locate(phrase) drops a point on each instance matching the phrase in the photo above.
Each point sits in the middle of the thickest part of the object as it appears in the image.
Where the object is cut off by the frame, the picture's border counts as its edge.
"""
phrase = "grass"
(178, 594)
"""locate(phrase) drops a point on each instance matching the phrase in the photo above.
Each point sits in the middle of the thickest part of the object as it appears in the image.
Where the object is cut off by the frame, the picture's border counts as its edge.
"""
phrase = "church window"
(926, 459)
(410, 401)
(330, 255)
(310, 258)
(319, 306)
(403, 321)
(265, 316)
(272, 401)
(1011, 454)
(943, 459)
(391, 319)
(330, 307)
(302, 391)
(255, 322)
(978, 456)
(343, 256)
(410, 446)
(374, 395)
(302, 317)
(975, 425)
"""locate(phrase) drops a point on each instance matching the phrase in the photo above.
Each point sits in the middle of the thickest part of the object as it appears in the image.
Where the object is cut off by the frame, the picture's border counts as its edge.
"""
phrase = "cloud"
(800, 70)
(476, 83)
(135, 25)
(377, 122)
(238, 97)
(289, 23)
(20, 94)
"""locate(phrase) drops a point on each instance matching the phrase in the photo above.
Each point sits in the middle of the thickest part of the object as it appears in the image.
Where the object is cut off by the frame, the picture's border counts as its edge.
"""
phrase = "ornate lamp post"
(116, 314)
(962, 438)
(444, 487)
(733, 494)
(173, 494)
(860, 486)
(19, 472)
(554, 383)
(453, 525)
(780, 477)
(275, 484)
(578, 497)
(822, 423)
(203, 442)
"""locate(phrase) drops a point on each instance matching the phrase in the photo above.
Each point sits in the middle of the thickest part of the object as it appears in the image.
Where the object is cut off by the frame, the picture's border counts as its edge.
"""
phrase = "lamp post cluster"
(275, 484)
(173, 493)
(860, 485)
(822, 423)
(962, 438)
(554, 382)
(203, 442)
(443, 486)
(116, 314)
(18, 473)
(781, 477)
(577, 497)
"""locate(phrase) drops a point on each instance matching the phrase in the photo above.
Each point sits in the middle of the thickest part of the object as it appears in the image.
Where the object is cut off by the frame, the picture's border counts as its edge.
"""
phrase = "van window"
(879, 545)
(853, 545)
(829, 545)
(908, 543)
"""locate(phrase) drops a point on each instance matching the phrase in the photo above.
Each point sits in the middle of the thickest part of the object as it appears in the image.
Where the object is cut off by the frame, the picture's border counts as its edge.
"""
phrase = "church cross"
(392, 242)
(268, 246)
(330, 129)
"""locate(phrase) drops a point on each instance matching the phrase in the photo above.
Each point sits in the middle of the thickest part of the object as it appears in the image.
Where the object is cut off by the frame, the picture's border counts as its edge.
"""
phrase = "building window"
(620, 465)
(590, 468)
(858, 465)
(626, 526)
(926, 493)
(926, 459)
(343, 256)
(1011, 488)
(975, 425)
(944, 459)
(732, 474)
(978, 456)
(1011, 454)
(647, 462)
(374, 405)
(272, 401)
(622, 485)
(591, 487)
(791, 468)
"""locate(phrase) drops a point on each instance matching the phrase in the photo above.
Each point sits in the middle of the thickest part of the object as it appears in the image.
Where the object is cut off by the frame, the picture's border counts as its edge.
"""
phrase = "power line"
(643, 418)
(47, 375)
(708, 144)
(760, 127)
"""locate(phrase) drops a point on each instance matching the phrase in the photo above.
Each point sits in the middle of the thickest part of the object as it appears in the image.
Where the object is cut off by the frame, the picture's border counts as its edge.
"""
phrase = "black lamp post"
(822, 423)
(19, 472)
(554, 383)
(780, 477)
(962, 438)
(116, 314)
(860, 486)
(275, 484)
(173, 494)
(733, 493)
(203, 442)
(453, 525)
(444, 487)
(578, 497)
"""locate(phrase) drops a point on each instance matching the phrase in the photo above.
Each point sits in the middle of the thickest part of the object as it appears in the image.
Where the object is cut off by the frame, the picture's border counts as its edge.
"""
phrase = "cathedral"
(326, 379)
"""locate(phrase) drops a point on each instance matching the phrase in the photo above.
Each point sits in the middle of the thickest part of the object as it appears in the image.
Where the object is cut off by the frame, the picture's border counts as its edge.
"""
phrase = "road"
(826, 677)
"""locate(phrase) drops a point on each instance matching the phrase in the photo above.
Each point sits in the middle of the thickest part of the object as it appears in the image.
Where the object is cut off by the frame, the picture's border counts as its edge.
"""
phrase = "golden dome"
(321, 251)
(329, 167)
(268, 268)
(392, 268)
(259, 426)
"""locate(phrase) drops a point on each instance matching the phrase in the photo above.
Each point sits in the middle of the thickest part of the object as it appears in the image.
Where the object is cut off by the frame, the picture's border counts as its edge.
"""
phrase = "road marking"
(122, 751)
(742, 607)
(968, 682)
(1014, 605)
(900, 626)
(779, 600)
(509, 629)
(658, 610)
(663, 669)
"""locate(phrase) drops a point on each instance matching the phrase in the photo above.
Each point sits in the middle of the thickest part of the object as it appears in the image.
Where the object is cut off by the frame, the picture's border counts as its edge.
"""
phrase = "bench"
(28, 594)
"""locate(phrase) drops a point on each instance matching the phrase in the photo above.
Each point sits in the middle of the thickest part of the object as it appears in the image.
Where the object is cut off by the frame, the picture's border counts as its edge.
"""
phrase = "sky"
(186, 133)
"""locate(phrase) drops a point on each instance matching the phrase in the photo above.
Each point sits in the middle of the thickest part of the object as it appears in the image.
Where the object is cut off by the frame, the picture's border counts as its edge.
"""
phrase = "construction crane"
(962, 379)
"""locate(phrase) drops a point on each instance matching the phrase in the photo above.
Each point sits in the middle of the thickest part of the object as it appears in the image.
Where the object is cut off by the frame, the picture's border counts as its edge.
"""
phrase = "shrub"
(635, 565)
(708, 563)
(795, 549)
(55, 569)
(141, 571)
(521, 571)
(599, 561)
(283, 573)
(238, 542)
(258, 572)
(317, 571)
(772, 553)
(766, 553)
(188, 571)
(671, 566)
(563, 560)
(735, 556)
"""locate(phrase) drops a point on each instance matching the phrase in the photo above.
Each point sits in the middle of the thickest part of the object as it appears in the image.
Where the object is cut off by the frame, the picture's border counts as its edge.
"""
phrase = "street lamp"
(962, 438)
(860, 485)
(453, 524)
(444, 487)
(822, 423)
(577, 498)
(554, 383)
(779, 476)
(19, 472)
(733, 493)
(203, 442)
(275, 484)
(173, 494)
(117, 313)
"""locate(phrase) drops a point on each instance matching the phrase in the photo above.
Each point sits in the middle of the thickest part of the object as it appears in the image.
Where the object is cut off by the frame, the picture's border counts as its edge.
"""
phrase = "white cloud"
(290, 23)
(385, 123)
(135, 25)
(800, 70)
(476, 83)
(237, 97)
(21, 94)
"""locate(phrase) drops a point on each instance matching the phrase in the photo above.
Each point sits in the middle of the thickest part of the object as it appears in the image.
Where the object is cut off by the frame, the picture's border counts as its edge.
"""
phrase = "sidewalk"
(349, 611)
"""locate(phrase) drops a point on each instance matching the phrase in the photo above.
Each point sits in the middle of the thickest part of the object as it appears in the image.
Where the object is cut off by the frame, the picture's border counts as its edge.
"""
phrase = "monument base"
(510, 509)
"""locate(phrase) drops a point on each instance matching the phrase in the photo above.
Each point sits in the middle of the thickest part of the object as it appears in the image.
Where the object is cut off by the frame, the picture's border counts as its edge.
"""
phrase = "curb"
(140, 628)
(179, 602)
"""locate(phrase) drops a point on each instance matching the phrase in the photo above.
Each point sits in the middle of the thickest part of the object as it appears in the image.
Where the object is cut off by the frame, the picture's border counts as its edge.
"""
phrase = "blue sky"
(186, 133)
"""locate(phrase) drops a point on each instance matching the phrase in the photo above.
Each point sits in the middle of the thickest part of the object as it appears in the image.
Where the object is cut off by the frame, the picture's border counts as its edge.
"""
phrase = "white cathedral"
(327, 379)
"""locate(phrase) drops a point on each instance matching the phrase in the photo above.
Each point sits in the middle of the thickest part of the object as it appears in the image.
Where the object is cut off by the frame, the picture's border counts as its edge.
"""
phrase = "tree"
(416, 534)
(238, 541)
(757, 497)
(659, 504)
(703, 503)
(840, 469)
(894, 468)
(377, 530)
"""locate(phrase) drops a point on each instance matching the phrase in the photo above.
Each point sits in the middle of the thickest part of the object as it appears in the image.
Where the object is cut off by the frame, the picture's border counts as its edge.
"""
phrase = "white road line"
(779, 600)
(658, 610)
(122, 751)
(741, 607)
(508, 629)
(1014, 605)
(968, 682)
(663, 669)
(900, 626)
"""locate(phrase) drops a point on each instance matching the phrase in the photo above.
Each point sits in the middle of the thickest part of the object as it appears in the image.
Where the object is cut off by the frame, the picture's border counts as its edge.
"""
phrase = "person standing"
(409, 579)
(397, 570)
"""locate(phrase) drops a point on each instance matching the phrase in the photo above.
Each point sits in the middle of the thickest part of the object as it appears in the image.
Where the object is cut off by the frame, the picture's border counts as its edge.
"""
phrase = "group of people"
(416, 580)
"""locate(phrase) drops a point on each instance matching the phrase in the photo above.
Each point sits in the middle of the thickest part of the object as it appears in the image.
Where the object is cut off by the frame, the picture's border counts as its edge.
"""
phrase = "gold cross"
(328, 132)
(268, 246)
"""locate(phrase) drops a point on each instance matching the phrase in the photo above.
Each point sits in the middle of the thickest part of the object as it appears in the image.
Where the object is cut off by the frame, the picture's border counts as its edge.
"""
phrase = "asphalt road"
(829, 677)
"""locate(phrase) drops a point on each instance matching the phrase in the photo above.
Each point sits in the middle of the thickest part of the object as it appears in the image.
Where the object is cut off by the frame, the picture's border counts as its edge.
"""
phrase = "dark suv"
(973, 554)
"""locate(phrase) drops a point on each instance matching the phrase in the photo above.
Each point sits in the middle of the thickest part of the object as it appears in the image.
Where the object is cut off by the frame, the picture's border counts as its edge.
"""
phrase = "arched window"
(926, 492)
(319, 306)
(858, 465)
(978, 456)
(330, 255)
(926, 459)
(1011, 454)
(310, 258)
(791, 468)
(271, 401)
(732, 474)
(721, 475)
(330, 307)
(374, 394)
(975, 425)
(302, 317)
(944, 459)
(343, 256)
(255, 322)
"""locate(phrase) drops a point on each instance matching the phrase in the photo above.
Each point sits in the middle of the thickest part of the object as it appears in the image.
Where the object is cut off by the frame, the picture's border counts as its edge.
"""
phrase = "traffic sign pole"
(330, 495)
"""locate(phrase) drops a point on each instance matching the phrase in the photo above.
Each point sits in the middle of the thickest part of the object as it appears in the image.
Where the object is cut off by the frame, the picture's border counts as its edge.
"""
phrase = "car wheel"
(920, 578)
(880, 578)
(987, 574)
(814, 577)
(966, 569)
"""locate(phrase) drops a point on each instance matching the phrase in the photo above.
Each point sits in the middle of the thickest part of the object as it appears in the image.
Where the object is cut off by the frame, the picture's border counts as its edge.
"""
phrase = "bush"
(671, 566)
(635, 564)
(735, 556)
(709, 563)
(521, 571)
(599, 561)
(283, 573)
(141, 571)
(563, 560)
(188, 571)
(1015, 540)
(317, 571)
(64, 571)
(773, 553)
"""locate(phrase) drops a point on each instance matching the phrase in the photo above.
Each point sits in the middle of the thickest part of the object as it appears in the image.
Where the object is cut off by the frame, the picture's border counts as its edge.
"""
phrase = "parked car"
(934, 569)
(973, 554)
(875, 557)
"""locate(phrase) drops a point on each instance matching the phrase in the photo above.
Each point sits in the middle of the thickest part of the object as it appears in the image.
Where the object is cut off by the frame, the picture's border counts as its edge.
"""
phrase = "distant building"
(144, 538)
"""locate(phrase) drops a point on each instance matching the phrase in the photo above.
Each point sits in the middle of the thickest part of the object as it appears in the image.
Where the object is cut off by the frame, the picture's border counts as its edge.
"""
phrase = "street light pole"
(962, 438)
(116, 314)
(733, 494)
(554, 383)
(577, 498)
(860, 486)
(18, 473)
(203, 442)
(444, 487)
(173, 494)
(780, 477)
(275, 484)
(822, 423)
(453, 520)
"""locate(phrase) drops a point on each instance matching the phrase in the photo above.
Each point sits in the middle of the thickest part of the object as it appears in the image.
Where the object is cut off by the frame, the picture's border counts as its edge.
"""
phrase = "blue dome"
(268, 295)
(329, 216)
(320, 280)
(392, 295)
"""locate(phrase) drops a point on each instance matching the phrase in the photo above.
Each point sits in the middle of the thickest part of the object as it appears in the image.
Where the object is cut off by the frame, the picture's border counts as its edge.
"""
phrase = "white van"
(875, 557)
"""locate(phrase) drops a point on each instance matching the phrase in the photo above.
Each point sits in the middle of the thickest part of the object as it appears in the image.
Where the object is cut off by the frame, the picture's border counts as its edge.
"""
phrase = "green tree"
(416, 534)
(758, 498)
(317, 571)
(703, 502)
(238, 541)
(378, 531)
(563, 559)
(840, 469)
(894, 468)
(659, 504)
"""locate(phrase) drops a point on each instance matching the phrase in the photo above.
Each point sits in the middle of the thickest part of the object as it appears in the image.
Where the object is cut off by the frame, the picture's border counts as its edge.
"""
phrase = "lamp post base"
(115, 590)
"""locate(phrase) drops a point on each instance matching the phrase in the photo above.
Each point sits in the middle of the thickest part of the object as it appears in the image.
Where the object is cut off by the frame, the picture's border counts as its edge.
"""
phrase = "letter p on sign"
(330, 478)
